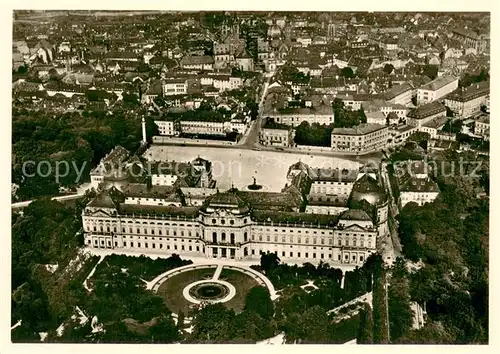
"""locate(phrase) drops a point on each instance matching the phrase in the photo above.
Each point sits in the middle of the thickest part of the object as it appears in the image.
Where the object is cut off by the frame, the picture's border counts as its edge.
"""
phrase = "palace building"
(236, 224)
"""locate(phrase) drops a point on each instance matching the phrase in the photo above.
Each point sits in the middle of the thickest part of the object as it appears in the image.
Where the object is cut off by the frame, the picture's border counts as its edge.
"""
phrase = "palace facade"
(236, 224)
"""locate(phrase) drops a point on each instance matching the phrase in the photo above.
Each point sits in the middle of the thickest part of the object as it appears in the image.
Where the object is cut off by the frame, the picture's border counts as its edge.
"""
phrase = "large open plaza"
(238, 166)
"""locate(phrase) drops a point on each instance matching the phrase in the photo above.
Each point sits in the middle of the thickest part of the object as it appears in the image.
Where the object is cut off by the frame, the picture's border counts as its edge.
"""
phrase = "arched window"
(214, 221)
(245, 237)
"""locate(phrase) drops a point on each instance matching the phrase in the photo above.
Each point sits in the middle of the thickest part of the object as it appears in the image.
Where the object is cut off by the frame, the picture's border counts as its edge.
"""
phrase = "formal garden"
(189, 289)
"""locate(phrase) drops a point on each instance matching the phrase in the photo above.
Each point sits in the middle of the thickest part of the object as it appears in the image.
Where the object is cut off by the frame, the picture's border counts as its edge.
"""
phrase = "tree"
(414, 100)
(310, 326)
(143, 67)
(130, 99)
(254, 108)
(400, 313)
(421, 138)
(380, 320)
(249, 326)
(23, 69)
(388, 68)
(259, 301)
(365, 332)
(180, 320)
(164, 331)
(347, 72)
(269, 261)
(213, 323)
(453, 126)
(430, 71)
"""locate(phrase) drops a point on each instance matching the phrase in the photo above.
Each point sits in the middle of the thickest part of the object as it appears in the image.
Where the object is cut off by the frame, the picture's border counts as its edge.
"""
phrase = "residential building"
(166, 127)
(197, 62)
(414, 183)
(172, 87)
(376, 117)
(275, 134)
(400, 134)
(467, 101)
(482, 126)
(434, 126)
(425, 113)
(436, 89)
(399, 94)
(111, 166)
(386, 108)
(362, 138)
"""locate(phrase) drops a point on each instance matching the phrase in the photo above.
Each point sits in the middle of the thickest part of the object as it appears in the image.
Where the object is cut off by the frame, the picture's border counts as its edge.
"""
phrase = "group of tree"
(292, 74)
(78, 141)
(46, 233)
(388, 68)
(450, 236)
(313, 134)
(469, 79)
(431, 71)
(421, 138)
(453, 126)
(302, 315)
(346, 118)
(347, 72)
(400, 313)
(215, 323)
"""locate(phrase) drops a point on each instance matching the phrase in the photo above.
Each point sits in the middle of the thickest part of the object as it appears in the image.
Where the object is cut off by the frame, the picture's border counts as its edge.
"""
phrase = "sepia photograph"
(250, 177)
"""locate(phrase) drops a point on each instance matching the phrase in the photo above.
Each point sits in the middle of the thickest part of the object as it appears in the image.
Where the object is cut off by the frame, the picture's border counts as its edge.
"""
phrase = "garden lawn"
(242, 282)
(171, 289)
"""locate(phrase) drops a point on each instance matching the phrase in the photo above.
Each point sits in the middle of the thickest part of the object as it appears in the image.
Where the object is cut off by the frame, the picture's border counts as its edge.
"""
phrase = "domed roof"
(227, 200)
(274, 31)
(367, 188)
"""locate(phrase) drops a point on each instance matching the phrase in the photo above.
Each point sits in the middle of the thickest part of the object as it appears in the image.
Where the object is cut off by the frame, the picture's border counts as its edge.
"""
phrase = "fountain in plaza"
(254, 186)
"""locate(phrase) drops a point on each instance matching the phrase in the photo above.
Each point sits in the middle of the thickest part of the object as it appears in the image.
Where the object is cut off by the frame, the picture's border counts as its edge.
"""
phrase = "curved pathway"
(259, 277)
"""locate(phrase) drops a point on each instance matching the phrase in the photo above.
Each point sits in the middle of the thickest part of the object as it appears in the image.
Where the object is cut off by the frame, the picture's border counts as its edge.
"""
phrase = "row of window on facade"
(284, 254)
(146, 245)
(138, 231)
(315, 241)
(191, 248)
